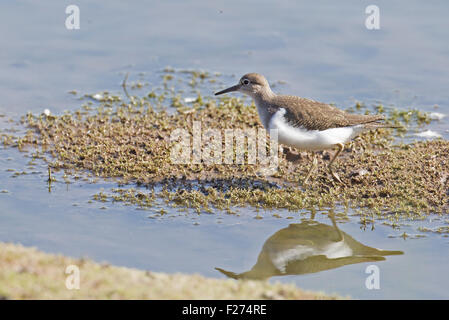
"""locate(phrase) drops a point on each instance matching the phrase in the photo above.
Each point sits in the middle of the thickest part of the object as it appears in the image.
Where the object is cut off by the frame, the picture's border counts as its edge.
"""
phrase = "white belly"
(332, 250)
(310, 139)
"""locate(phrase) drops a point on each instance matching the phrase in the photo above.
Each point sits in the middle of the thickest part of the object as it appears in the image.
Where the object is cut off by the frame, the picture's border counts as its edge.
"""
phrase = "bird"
(304, 123)
(309, 247)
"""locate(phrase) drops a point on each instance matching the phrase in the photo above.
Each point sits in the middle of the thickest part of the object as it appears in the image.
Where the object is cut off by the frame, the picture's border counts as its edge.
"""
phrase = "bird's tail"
(379, 125)
(377, 121)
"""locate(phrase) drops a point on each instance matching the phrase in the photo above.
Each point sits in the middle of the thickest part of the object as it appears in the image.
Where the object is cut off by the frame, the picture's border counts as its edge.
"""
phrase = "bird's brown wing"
(313, 115)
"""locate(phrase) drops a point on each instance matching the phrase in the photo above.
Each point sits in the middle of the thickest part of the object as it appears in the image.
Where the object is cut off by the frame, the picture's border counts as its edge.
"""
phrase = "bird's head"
(252, 84)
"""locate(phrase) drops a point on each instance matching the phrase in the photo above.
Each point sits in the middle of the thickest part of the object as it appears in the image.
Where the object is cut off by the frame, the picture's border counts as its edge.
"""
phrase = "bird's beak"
(230, 89)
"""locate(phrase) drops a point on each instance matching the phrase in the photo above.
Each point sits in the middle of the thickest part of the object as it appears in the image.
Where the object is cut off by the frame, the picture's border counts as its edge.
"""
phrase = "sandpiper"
(309, 247)
(303, 123)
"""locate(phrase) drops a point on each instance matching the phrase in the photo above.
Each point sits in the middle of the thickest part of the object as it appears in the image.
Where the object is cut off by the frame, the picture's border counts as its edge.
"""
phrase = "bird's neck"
(263, 96)
(262, 101)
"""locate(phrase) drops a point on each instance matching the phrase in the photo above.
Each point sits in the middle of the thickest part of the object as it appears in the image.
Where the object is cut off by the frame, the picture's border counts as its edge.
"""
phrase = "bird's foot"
(306, 181)
(336, 177)
(311, 170)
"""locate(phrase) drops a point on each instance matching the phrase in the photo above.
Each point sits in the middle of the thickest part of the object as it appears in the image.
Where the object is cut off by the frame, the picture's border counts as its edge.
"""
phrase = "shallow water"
(64, 222)
(321, 50)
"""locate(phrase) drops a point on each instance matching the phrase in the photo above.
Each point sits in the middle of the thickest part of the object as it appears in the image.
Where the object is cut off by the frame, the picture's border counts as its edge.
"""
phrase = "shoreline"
(28, 273)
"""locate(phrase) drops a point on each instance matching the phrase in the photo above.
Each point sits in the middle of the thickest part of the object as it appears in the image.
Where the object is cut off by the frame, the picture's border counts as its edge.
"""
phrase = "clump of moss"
(130, 142)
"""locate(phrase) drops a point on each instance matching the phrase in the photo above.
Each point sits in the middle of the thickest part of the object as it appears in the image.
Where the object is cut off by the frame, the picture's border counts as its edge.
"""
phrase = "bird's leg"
(334, 223)
(334, 175)
(312, 168)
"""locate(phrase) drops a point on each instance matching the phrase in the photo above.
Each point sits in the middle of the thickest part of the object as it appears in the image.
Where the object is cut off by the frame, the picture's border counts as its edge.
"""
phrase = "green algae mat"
(132, 140)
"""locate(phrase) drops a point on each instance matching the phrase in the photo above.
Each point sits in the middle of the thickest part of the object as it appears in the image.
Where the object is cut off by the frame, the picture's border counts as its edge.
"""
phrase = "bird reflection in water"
(309, 247)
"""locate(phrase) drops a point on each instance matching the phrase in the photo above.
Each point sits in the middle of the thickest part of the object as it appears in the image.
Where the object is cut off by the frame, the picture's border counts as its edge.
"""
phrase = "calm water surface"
(322, 51)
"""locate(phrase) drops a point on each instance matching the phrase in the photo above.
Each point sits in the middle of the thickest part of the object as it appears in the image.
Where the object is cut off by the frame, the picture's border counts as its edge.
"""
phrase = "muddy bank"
(26, 273)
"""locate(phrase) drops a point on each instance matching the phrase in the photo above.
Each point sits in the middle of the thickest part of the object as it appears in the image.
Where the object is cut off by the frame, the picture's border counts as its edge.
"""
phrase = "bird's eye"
(245, 82)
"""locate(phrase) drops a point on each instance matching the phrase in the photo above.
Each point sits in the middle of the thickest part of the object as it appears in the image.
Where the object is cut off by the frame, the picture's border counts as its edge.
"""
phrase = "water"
(322, 51)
